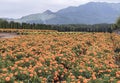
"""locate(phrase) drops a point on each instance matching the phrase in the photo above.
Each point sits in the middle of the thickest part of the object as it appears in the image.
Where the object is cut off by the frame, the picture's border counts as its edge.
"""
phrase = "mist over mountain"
(90, 13)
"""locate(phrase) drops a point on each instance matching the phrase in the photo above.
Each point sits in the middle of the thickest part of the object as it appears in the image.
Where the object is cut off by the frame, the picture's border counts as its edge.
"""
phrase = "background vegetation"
(62, 28)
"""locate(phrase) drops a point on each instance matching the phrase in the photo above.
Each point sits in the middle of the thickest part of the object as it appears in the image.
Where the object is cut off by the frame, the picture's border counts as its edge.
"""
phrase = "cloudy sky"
(19, 8)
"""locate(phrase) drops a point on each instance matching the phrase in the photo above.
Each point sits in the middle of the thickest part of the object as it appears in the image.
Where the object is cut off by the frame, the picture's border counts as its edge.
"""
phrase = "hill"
(90, 13)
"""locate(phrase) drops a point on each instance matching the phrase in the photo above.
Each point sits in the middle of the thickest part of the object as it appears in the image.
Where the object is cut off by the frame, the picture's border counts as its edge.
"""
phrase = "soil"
(117, 31)
(8, 35)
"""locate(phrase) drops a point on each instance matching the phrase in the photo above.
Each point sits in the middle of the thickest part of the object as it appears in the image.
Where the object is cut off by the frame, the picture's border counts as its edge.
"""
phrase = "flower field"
(60, 58)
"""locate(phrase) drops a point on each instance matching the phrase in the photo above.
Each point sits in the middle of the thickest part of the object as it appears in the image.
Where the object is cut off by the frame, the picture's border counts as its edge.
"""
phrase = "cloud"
(18, 8)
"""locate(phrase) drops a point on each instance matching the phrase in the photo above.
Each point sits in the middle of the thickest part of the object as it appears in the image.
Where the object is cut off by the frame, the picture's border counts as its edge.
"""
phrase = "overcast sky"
(19, 8)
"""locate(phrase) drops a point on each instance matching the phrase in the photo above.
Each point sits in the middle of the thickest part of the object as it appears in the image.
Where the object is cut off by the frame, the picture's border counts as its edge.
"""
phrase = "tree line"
(61, 28)
(85, 28)
(16, 25)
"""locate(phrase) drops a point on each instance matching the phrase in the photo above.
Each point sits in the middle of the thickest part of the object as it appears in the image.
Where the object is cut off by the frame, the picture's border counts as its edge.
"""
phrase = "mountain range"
(90, 13)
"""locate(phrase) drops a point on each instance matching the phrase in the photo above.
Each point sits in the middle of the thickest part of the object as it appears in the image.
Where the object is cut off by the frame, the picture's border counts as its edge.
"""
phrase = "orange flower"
(78, 81)
(80, 77)
(4, 69)
(93, 77)
(7, 79)
(118, 81)
(12, 68)
(26, 60)
(41, 59)
(85, 81)
(31, 75)
(81, 71)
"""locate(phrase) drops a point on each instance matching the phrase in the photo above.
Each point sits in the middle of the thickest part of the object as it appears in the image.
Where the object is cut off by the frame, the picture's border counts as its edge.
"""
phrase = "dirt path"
(8, 35)
(117, 31)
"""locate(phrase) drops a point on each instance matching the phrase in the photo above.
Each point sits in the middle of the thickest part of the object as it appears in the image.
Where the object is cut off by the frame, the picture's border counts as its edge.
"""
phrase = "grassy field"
(56, 57)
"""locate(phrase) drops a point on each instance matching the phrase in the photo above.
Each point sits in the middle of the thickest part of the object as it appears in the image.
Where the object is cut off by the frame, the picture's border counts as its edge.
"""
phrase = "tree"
(117, 24)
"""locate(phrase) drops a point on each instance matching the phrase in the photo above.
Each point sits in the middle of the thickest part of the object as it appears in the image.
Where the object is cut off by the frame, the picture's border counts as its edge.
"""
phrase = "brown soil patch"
(8, 35)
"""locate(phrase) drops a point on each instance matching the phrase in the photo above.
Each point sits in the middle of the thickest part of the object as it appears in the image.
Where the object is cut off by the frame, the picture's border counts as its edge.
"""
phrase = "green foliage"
(61, 28)
(117, 24)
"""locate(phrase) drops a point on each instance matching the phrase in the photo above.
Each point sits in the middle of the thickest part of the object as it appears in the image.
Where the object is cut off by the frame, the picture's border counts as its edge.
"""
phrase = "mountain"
(90, 13)
(47, 17)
